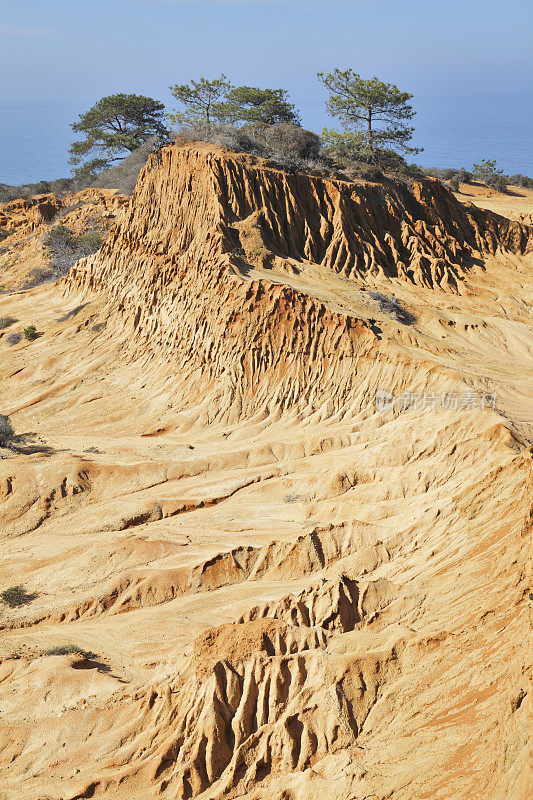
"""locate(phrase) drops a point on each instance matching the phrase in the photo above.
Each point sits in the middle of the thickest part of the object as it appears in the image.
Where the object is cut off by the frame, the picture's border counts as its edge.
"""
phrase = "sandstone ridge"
(221, 264)
(245, 579)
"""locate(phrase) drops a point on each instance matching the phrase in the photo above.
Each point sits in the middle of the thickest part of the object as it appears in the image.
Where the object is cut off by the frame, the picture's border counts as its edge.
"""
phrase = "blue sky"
(448, 53)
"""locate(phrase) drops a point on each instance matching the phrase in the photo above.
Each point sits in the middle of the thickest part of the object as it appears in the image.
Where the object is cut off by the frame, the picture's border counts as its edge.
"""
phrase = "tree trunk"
(208, 116)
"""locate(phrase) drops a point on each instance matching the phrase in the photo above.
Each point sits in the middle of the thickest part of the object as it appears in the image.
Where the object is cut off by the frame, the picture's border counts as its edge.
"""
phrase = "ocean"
(459, 133)
(34, 141)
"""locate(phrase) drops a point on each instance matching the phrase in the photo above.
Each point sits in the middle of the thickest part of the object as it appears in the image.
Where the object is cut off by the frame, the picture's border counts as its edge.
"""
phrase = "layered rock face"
(25, 225)
(270, 585)
(208, 266)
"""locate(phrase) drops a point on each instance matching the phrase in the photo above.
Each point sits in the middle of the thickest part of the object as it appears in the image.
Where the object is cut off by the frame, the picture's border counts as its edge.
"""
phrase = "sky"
(463, 60)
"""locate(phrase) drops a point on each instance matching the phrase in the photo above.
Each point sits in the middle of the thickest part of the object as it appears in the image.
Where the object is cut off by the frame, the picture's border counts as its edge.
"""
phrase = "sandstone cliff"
(26, 223)
(280, 590)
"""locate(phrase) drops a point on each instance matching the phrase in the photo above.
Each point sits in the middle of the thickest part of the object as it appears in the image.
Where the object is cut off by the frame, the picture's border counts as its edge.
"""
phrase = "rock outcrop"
(203, 269)
(245, 578)
(27, 222)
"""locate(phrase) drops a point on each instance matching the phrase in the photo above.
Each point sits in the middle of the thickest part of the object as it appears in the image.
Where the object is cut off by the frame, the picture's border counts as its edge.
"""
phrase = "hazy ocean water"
(34, 141)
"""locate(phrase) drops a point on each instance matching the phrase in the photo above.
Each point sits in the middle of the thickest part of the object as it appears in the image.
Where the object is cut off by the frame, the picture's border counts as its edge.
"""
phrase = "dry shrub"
(7, 433)
(16, 596)
(393, 308)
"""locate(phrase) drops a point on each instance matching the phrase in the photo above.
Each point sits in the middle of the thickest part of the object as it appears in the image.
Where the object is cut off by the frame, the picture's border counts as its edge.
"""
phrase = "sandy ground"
(516, 203)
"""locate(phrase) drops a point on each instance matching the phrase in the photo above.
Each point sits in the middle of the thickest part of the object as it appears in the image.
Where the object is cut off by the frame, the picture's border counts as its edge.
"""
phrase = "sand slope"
(281, 590)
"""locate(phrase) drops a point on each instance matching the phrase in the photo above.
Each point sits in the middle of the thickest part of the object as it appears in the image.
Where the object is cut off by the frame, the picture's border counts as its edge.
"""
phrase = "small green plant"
(464, 176)
(60, 236)
(488, 172)
(15, 596)
(89, 242)
(30, 333)
(69, 649)
(487, 166)
(37, 276)
(521, 180)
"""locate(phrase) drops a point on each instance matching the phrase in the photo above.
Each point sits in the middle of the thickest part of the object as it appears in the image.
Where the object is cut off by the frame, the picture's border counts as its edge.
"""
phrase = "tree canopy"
(349, 148)
(217, 101)
(375, 111)
(250, 104)
(488, 172)
(487, 166)
(115, 126)
(203, 101)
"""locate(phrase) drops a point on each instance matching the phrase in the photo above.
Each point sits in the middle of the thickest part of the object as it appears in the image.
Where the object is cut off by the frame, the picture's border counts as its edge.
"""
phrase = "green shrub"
(16, 596)
(521, 180)
(449, 174)
(346, 148)
(69, 649)
(237, 139)
(60, 235)
(369, 172)
(288, 145)
(488, 172)
(89, 242)
(30, 333)
(498, 182)
(350, 150)
(64, 248)
(441, 174)
(464, 176)
(37, 276)
(286, 140)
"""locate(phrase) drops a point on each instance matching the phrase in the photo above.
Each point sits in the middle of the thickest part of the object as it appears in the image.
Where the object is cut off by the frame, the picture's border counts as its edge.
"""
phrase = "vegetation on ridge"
(122, 130)
(218, 102)
(487, 172)
(373, 112)
(116, 124)
(263, 122)
(64, 249)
